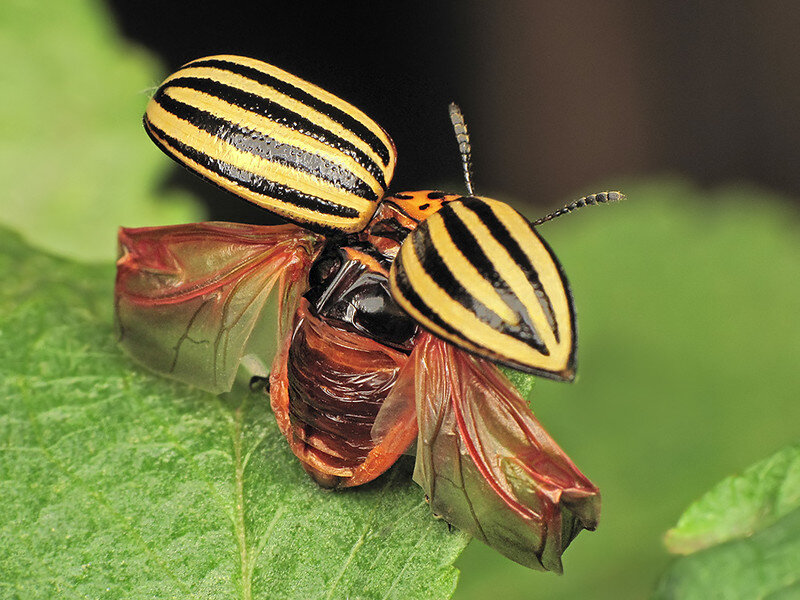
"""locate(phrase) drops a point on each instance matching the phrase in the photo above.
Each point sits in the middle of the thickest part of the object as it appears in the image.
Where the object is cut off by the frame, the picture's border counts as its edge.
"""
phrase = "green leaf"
(74, 162)
(115, 483)
(748, 532)
(524, 382)
(765, 565)
(741, 505)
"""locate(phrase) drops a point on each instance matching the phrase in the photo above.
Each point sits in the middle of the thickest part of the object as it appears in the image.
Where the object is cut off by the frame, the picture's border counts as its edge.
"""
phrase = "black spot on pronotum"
(404, 196)
(436, 195)
(425, 206)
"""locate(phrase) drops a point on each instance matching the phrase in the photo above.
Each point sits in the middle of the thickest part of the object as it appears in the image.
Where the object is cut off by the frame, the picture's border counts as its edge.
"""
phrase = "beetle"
(394, 310)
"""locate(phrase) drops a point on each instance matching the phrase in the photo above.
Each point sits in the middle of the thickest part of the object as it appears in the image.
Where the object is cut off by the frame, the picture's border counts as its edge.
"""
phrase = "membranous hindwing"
(188, 297)
(275, 140)
(486, 464)
(478, 275)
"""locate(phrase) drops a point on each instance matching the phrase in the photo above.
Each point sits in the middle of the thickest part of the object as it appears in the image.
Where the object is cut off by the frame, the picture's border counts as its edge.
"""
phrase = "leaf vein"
(360, 541)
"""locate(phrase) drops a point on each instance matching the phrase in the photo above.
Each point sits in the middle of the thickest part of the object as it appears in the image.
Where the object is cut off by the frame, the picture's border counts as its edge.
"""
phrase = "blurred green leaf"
(74, 161)
(750, 527)
(118, 484)
(741, 505)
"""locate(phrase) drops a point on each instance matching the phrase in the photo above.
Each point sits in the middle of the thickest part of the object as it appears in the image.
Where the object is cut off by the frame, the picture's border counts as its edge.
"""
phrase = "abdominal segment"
(337, 381)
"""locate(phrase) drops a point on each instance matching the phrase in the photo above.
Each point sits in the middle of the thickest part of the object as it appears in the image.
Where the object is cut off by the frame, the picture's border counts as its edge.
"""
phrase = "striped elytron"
(275, 140)
(392, 309)
(467, 274)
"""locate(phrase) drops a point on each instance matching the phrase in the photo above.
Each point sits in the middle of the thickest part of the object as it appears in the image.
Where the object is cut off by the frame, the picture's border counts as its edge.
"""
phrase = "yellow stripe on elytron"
(510, 271)
(278, 206)
(219, 149)
(248, 85)
(474, 331)
(549, 275)
(323, 95)
(465, 272)
(283, 134)
(420, 318)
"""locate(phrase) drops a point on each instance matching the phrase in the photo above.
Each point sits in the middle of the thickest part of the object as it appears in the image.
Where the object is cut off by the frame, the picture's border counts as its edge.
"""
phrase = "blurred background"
(688, 293)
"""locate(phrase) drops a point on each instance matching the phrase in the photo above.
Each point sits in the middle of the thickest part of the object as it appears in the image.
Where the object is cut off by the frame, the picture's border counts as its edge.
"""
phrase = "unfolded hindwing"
(275, 140)
(486, 464)
(188, 297)
(478, 275)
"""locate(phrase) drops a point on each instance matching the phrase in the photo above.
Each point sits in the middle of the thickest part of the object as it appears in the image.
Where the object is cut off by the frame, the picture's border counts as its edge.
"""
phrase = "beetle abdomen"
(337, 382)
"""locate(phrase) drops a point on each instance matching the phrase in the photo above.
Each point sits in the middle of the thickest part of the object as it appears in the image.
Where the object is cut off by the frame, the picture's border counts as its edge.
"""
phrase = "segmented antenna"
(462, 137)
(599, 198)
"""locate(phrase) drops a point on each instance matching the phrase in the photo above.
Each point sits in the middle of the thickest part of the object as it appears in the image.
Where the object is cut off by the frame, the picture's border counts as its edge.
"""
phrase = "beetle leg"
(259, 383)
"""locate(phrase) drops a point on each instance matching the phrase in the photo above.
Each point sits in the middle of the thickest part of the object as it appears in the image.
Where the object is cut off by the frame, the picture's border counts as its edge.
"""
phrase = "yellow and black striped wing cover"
(275, 140)
(478, 275)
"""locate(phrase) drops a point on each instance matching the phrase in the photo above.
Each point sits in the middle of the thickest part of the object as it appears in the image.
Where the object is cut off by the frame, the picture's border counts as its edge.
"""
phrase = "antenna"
(599, 198)
(462, 137)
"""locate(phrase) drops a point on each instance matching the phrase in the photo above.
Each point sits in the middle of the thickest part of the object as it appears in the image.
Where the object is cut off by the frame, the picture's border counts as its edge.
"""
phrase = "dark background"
(558, 96)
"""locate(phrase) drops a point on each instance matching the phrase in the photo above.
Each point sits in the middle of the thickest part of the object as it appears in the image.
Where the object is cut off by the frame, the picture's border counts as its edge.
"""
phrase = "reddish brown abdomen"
(337, 382)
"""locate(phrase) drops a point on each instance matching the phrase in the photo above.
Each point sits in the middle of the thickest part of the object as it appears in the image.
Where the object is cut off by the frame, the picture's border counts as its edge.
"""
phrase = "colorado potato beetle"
(394, 310)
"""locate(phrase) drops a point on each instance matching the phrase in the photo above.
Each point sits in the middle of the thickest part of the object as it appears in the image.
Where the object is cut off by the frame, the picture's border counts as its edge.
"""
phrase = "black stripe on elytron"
(501, 234)
(279, 114)
(251, 181)
(434, 266)
(284, 87)
(410, 294)
(407, 291)
(259, 144)
(468, 245)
